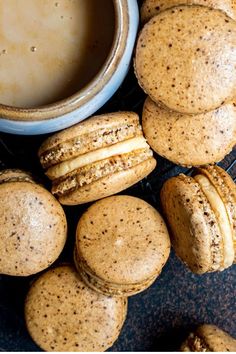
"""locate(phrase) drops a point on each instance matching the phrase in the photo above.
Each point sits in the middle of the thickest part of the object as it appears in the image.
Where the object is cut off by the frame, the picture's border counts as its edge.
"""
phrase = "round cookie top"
(185, 59)
(151, 8)
(190, 141)
(33, 228)
(123, 240)
(63, 314)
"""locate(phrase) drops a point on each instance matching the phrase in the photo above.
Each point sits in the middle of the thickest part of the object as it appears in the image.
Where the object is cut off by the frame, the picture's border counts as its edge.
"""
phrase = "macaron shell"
(109, 185)
(63, 314)
(150, 8)
(195, 233)
(14, 175)
(187, 140)
(123, 240)
(90, 125)
(226, 188)
(110, 289)
(33, 228)
(188, 76)
(216, 339)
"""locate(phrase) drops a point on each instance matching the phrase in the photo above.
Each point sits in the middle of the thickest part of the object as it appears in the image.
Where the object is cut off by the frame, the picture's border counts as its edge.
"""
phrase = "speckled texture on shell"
(212, 338)
(226, 188)
(107, 288)
(122, 240)
(109, 185)
(150, 8)
(185, 59)
(33, 228)
(187, 140)
(63, 314)
(91, 134)
(195, 234)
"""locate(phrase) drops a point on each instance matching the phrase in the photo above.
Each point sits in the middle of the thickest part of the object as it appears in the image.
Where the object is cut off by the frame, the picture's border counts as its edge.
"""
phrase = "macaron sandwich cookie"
(190, 141)
(122, 244)
(63, 314)
(33, 226)
(201, 212)
(185, 59)
(150, 8)
(96, 158)
(209, 338)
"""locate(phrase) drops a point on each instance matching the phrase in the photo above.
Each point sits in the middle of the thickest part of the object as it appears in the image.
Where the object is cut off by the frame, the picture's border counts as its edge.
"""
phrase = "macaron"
(151, 8)
(185, 59)
(209, 338)
(97, 158)
(33, 227)
(190, 141)
(201, 213)
(122, 244)
(63, 315)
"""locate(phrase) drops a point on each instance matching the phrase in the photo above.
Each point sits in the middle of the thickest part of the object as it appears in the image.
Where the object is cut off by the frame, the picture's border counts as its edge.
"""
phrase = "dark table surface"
(160, 317)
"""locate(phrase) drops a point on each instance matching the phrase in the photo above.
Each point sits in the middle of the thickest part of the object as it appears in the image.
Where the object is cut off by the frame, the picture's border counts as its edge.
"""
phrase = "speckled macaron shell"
(109, 185)
(151, 8)
(63, 314)
(226, 189)
(122, 240)
(209, 338)
(185, 59)
(216, 339)
(14, 175)
(195, 234)
(64, 141)
(33, 228)
(190, 141)
(107, 288)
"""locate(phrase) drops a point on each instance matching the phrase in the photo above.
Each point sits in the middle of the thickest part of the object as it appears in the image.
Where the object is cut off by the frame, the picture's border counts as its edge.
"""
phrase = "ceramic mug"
(93, 96)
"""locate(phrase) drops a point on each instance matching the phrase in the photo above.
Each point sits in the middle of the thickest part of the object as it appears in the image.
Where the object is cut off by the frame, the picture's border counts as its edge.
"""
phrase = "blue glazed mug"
(93, 96)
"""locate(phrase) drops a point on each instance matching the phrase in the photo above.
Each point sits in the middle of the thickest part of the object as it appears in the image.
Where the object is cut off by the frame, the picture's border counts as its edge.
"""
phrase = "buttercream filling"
(221, 214)
(93, 172)
(100, 154)
(89, 142)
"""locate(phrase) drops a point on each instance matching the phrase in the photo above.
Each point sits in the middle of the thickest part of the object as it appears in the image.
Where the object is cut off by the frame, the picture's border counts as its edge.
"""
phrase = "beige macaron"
(122, 244)
(33, 225)
(190, 141)
(209, 338)
(185, 59)
(201, 212)
(63, 314)
(151, 8)
(97, 158)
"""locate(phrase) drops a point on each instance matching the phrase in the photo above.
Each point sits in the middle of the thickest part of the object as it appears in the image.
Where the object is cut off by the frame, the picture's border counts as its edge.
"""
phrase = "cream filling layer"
(123, 147)
(220, 212)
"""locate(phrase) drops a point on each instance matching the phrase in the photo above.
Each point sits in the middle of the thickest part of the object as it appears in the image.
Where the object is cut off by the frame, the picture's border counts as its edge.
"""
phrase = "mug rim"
(91, 89)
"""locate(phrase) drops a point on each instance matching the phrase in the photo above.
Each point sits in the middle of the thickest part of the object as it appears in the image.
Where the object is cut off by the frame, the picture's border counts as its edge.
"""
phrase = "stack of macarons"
(186, 64)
